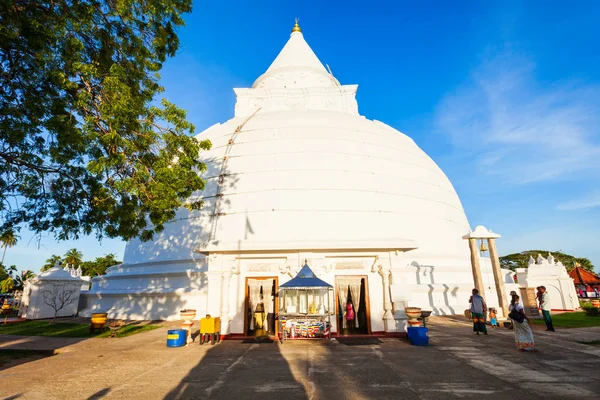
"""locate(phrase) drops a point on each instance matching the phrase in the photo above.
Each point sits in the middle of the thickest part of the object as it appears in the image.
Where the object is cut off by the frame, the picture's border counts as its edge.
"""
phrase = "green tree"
(521, 260)
(7, 285)
(3, 272)
(8, 239)
(51, 262)
(73, 257)
(85, 145)
(99, 265)
(8, 282)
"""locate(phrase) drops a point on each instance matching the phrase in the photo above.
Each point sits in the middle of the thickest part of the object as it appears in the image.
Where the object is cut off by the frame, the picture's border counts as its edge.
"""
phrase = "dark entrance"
(261, 304)
(352, 306)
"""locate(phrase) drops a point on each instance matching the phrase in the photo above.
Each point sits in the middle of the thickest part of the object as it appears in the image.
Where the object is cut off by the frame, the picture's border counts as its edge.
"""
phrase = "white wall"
(559, 285)
(38, 309)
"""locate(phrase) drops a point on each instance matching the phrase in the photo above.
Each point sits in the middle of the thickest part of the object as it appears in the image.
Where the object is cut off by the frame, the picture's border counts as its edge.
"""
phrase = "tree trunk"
(3, 254)
(54, 322)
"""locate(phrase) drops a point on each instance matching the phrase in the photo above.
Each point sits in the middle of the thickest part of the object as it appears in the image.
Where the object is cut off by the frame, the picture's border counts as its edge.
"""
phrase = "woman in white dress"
(522, 330)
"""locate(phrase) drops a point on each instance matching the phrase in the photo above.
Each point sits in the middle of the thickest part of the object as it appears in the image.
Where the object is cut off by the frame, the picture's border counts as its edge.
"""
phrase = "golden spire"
(296, 27)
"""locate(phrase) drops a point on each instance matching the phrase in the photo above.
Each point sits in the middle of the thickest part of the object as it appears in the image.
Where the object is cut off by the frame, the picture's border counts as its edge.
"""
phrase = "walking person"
(478, 309)
(521, 328)
(545, 306)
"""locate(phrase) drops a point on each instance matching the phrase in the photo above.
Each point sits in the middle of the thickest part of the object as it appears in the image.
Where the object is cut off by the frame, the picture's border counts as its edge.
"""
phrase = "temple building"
(587, 283)
(299, 178)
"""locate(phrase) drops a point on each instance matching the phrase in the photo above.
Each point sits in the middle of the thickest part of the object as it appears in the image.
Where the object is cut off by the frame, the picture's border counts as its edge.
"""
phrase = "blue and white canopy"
(306, 279)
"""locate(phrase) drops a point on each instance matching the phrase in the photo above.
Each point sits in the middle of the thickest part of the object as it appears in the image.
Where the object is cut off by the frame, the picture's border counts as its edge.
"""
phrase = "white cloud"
(520, 131)
(592, 200)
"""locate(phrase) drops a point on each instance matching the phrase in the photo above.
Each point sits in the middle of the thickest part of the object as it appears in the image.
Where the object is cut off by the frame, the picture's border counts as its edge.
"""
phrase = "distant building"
(585, 282)
(553, 275)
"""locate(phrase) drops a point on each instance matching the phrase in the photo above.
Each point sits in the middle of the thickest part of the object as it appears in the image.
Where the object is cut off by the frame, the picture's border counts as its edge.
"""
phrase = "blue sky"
(504, 96)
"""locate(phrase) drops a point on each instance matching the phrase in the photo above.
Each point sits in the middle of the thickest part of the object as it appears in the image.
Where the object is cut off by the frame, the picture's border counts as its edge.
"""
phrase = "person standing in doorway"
(349, 315)
(478, 309)
(545, 306)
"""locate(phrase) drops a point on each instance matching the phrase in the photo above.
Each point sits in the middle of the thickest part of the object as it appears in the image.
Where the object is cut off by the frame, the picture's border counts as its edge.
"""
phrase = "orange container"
(99, 318)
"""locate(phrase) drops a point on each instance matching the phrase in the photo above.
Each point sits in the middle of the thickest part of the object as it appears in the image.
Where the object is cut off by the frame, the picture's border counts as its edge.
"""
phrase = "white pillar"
(389, 323)
(498, 278)
(475, 267)
(226, 279)
(214, 293)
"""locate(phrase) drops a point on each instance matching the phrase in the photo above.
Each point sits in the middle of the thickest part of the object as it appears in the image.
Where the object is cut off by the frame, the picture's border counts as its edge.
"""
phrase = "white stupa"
(298, 174)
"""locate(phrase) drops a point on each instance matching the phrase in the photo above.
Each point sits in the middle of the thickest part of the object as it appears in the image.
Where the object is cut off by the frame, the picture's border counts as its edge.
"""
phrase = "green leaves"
(7, 285)
(83, 146)
(51, 262)
(520, 260)
(99, 265)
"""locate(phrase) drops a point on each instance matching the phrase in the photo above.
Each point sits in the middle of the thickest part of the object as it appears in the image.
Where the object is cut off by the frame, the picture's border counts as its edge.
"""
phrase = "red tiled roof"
(582, 277)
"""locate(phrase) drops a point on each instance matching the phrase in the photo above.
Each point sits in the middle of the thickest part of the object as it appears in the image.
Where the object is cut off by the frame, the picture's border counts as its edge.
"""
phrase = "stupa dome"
(299, 168)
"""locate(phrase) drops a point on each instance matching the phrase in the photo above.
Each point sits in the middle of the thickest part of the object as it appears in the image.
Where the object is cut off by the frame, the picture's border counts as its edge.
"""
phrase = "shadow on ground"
(233, 369)
(12, 358)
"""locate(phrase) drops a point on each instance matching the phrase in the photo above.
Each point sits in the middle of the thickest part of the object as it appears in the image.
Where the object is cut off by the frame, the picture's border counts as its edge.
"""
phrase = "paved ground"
(457, 364)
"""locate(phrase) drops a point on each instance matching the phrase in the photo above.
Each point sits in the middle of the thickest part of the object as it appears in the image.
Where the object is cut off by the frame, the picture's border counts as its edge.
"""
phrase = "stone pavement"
(458, 364)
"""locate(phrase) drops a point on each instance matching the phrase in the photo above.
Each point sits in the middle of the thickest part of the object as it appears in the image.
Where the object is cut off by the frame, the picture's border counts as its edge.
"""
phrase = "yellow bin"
(98, 322)
(210, 329)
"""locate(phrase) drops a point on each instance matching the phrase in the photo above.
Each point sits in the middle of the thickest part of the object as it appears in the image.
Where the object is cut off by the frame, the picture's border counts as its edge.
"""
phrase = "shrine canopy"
(306, 279)
(583, 277)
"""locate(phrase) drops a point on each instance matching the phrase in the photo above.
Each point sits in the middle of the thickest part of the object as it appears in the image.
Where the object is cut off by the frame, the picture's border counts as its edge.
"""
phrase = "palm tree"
(8, 239)
(73, 257)
(27, 275)
(11, 270)
(51, 262)
(585, 264)
(20, 280)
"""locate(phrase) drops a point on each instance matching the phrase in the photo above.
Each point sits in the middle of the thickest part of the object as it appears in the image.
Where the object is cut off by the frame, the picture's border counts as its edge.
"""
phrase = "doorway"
(260, 306)
(352, 298)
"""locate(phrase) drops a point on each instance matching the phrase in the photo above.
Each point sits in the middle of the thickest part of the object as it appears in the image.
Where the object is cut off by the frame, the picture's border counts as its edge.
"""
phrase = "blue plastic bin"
(176, 338)
(418, 336)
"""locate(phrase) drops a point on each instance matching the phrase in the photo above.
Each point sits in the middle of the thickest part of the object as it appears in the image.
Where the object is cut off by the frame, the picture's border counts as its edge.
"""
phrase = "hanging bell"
(482, 248)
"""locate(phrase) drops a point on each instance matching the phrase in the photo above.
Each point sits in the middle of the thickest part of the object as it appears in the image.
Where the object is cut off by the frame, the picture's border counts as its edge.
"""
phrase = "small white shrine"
(54, 289)
(553, 275)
